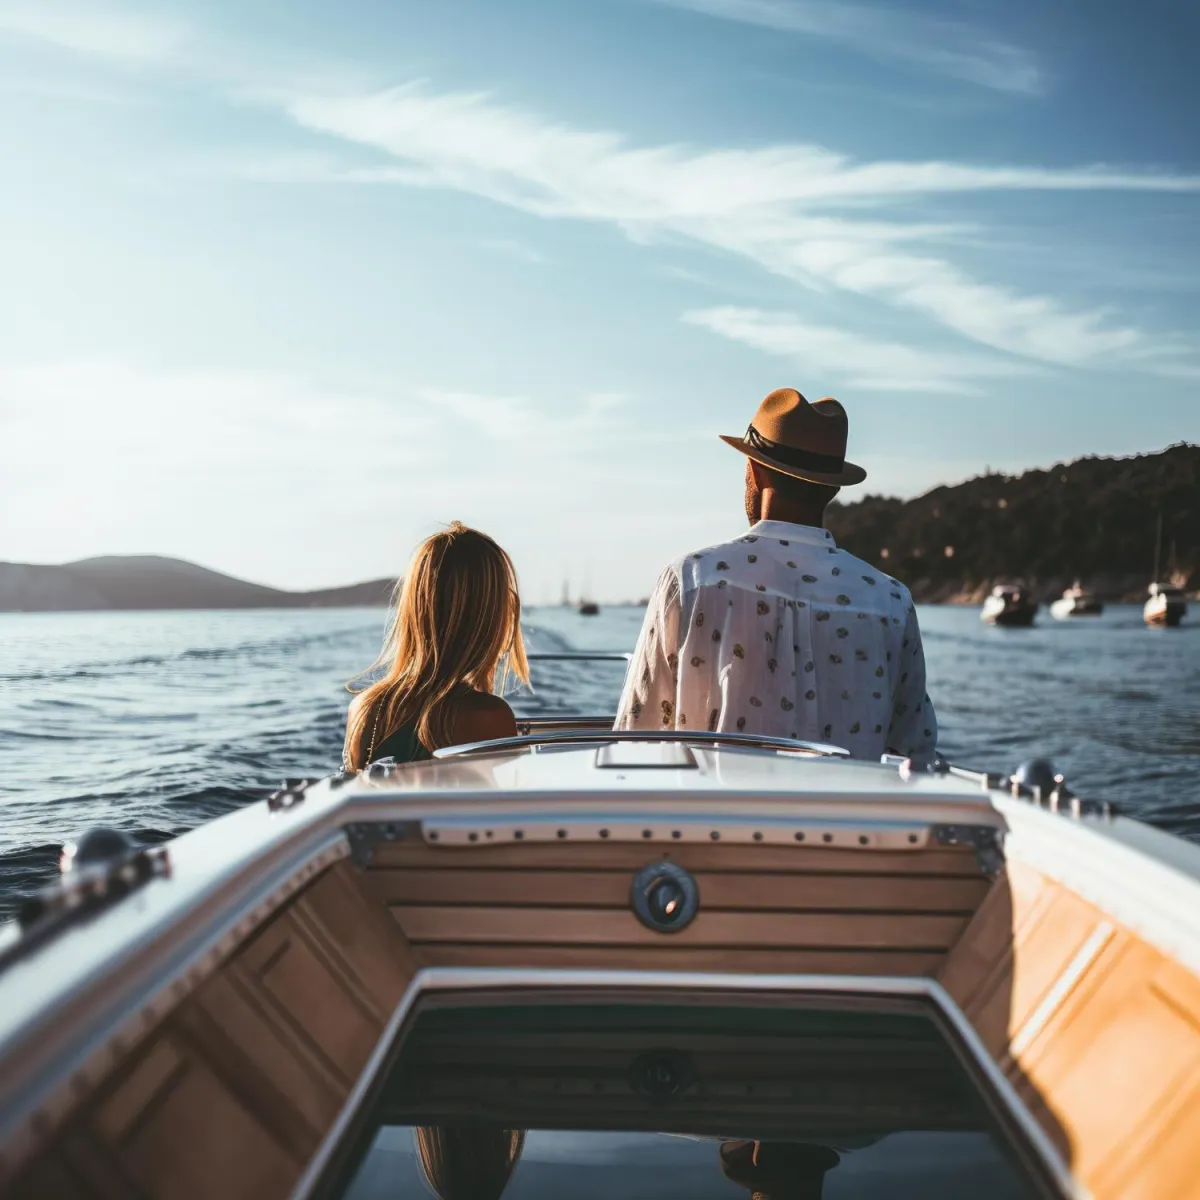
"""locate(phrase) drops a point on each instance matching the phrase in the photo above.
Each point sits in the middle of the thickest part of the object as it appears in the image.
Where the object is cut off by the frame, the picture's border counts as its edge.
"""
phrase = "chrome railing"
(555, 724)
(582, 656)
(565, 721)
(687, 737)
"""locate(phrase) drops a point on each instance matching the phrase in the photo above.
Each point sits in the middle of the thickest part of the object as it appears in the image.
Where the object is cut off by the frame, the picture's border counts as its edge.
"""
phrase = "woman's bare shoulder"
(483, 717)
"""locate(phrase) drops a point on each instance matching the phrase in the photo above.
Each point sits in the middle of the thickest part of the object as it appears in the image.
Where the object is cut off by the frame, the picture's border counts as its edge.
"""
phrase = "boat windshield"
(686, 1096)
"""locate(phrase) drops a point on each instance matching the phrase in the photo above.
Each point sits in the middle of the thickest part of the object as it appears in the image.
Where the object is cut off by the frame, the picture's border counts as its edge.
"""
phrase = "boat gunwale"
(177, 935)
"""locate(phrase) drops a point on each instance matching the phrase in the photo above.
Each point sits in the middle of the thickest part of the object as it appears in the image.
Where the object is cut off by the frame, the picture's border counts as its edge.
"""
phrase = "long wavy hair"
(455, 627)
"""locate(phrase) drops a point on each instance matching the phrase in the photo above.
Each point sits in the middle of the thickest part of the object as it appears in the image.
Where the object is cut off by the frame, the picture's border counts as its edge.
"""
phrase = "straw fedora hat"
(807, 441)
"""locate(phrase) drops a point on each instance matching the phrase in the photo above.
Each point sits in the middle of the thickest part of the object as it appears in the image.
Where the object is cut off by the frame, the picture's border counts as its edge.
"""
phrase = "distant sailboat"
(1167, 603)
(587, 608)
(1076, 602)
(1009, 604)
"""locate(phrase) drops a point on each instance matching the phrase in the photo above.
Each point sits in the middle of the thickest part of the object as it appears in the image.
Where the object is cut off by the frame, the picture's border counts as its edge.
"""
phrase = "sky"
(287, 285)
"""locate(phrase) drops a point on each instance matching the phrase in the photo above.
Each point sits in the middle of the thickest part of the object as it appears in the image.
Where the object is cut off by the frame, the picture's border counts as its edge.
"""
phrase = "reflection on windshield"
(679, 1098)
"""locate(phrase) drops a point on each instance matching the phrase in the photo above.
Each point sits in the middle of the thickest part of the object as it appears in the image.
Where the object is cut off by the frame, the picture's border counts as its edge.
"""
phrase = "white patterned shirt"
(781, 633)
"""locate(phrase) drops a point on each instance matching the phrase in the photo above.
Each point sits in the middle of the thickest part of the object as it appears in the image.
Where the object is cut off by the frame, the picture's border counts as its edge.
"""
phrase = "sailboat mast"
(1157, 545)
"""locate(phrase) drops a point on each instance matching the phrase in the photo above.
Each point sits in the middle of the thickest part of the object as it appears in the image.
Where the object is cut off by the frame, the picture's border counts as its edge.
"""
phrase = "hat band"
(791, 455)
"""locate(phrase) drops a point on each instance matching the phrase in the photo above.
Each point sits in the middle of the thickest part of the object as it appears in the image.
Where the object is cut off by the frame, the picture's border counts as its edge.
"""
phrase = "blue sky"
(285, 284)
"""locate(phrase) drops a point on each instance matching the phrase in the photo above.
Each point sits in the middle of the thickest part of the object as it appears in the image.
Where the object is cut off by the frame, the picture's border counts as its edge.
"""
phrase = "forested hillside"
(1093, 519)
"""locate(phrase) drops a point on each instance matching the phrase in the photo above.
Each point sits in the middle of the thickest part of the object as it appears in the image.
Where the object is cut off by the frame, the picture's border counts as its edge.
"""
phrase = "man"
(779, 632)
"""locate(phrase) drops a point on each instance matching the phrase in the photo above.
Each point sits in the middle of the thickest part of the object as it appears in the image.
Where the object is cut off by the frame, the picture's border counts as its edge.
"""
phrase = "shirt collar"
(809, 535)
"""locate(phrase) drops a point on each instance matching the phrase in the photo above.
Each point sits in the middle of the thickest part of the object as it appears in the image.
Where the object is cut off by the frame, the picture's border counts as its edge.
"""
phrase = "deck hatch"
(641, 756)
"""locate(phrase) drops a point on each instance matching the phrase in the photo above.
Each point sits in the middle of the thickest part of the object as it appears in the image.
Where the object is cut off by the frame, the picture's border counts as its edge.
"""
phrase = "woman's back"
(481, 718)
(457, 621)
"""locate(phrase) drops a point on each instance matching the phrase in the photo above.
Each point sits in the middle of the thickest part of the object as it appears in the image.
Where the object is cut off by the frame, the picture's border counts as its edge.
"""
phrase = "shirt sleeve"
(914, 722)
(648, 699)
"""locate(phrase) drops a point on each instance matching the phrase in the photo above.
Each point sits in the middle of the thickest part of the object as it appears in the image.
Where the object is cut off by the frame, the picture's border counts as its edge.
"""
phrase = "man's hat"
(807, 441)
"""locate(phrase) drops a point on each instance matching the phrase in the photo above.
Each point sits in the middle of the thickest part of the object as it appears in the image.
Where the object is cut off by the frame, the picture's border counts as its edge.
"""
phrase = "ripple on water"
(156, 722)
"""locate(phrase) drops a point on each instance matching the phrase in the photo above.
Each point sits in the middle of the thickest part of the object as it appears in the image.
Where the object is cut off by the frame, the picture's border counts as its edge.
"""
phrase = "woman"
(457, 620)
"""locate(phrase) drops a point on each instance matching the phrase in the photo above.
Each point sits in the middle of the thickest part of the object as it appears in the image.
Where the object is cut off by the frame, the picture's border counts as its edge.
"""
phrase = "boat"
(1076, 602)
(585, 608)
(658, 961)
(1167, 605)
(1009, 604)
(1167, 602)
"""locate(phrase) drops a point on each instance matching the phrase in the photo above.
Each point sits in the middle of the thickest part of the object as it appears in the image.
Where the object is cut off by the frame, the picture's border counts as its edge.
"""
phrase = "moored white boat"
(1008, 604)
(1167, 605)
(1076, 602)
(573, 930)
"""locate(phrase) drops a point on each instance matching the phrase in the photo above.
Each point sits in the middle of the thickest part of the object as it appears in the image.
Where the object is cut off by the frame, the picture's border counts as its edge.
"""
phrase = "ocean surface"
(155, 722)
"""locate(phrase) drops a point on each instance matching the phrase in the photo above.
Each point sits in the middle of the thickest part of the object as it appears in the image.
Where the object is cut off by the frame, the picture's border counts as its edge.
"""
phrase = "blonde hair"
(468, 1162)
(456, 622)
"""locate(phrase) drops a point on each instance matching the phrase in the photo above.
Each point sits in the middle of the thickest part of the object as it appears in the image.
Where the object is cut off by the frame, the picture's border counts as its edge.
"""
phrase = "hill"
(152, 582)
(1093, 519)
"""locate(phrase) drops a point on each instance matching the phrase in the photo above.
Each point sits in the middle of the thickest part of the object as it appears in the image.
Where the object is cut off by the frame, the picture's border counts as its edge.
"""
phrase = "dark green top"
(403, 746)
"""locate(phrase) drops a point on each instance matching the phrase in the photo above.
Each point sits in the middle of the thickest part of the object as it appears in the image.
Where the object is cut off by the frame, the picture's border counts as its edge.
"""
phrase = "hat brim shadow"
(849, 475)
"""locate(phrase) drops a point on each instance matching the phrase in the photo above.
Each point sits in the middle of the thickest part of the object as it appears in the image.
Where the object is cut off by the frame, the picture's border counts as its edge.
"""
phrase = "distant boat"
(1076, 602)
(1168, 602)
(1166, 606)
(588, 608)
(1009, 604)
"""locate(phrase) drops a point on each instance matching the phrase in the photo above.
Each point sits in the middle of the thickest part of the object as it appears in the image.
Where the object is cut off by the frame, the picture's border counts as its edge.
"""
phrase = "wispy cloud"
(800, 211)
(850, 360)
(126, 37)
(139, 40)
(887, 32)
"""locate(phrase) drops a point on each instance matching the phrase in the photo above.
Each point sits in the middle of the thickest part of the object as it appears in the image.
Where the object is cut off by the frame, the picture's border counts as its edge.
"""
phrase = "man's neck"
(774, 509)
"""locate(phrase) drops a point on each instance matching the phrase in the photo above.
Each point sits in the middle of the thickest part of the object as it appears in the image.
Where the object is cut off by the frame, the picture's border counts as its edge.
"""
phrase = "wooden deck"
(232, 1093)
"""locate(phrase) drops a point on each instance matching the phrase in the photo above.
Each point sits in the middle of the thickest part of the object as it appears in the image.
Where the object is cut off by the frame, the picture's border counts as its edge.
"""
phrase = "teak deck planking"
(231, 1095)
(762, 908)
(1098, 1031)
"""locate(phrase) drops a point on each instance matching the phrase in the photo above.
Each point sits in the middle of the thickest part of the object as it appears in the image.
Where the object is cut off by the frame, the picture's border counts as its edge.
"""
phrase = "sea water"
(155, 722)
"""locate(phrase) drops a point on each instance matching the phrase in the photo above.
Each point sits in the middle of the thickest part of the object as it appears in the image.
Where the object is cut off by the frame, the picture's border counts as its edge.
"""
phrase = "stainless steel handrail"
(582, 656)
(535, 724)
(685, 736)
